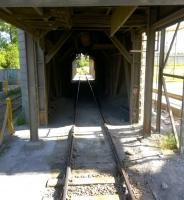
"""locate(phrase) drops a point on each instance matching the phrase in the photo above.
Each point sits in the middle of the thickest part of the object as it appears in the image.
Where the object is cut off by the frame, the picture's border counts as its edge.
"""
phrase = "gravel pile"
(94, 190)
(97, 175)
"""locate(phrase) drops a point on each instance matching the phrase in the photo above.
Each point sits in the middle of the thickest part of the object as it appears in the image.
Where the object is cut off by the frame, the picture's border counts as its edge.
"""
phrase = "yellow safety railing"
(8, 120)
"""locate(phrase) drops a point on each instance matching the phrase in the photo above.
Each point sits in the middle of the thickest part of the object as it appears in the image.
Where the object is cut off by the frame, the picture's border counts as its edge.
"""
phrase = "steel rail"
(118, 161)
(70, 148)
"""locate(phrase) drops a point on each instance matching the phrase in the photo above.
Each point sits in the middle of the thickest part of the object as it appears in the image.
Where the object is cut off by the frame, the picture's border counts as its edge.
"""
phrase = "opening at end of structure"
(83, 68)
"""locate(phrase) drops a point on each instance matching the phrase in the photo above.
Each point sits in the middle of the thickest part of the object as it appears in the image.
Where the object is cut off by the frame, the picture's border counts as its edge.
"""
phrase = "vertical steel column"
(32, 86)
(160, 80)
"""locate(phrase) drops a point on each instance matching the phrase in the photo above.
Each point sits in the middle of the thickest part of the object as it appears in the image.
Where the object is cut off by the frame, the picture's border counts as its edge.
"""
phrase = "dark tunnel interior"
(110, 67)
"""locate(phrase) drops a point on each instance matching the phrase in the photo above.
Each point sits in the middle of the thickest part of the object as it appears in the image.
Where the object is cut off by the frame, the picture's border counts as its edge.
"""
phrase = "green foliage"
(2, 58)
(82, 62)
(168, 142)
(9, 56)
(8, 33)
(14, 92)
(20, 120)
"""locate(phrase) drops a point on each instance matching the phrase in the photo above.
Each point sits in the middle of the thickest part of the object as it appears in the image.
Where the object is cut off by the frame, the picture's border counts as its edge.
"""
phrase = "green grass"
(20, 120)
(168, 142)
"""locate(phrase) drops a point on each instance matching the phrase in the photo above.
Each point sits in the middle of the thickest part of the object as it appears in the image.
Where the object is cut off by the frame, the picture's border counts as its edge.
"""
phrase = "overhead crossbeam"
(121, 49)
(7, 10)
(6, 15)
(64, 37)
(119, 17)
(39, 11)
(169, 20)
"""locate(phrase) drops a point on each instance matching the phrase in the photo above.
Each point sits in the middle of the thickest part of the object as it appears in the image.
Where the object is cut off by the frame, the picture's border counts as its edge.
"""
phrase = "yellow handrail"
(5, 87)
(8, 120)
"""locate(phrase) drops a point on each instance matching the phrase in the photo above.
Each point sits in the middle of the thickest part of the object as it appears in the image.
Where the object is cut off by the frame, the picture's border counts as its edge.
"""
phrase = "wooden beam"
(160, 75)
(120, 16)
(121, 48)
(12, 20)
(7, 10)
(173, 76)
(162, 64)
(171, 95)
(171, 45)
(108, 10)
(31, 63)
(42, 87)
(57, 46)
(39, 11)
(105, 21)
(103, 46)
(65, 54)
(77, 3)
(150, 50)
(182, 124)
(169, 20)
(170, 114)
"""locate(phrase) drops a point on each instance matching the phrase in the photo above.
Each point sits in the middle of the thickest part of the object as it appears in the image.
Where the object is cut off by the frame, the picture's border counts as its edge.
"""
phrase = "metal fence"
(10, 75)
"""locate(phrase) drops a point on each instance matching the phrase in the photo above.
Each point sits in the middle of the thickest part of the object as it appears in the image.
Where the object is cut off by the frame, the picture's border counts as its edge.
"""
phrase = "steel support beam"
(32, 86)
(120, 16)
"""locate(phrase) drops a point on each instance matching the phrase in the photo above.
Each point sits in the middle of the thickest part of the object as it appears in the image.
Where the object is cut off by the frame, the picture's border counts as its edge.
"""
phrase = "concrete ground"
(26, 167)
(155, 174)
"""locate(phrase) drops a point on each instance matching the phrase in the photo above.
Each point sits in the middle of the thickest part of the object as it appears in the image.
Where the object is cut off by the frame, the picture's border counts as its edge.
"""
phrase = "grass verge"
(168, 142)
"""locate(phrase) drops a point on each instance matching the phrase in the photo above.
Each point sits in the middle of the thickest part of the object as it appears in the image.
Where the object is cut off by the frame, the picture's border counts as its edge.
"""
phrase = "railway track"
(97, 172)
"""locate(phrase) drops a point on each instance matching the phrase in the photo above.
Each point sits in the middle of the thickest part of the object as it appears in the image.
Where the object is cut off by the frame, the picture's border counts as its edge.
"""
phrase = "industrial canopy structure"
(50, 36)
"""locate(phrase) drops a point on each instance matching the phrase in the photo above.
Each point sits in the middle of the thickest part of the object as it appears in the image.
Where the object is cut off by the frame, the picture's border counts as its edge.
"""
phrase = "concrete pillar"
(30, 47)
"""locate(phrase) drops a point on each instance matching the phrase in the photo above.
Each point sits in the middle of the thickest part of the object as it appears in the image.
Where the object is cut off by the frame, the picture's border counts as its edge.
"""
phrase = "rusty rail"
(120, 165)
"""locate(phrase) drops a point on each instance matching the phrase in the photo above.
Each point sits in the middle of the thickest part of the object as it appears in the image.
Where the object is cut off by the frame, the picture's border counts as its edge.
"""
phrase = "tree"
(9, 57)
(8, 32)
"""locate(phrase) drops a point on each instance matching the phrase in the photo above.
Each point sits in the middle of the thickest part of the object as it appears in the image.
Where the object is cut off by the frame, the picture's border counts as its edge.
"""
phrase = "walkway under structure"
(52, 34)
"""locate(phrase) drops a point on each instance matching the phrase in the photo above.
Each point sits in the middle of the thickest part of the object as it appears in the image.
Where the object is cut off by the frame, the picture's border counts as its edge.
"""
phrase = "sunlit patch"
(83, 68)
(88, 132)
